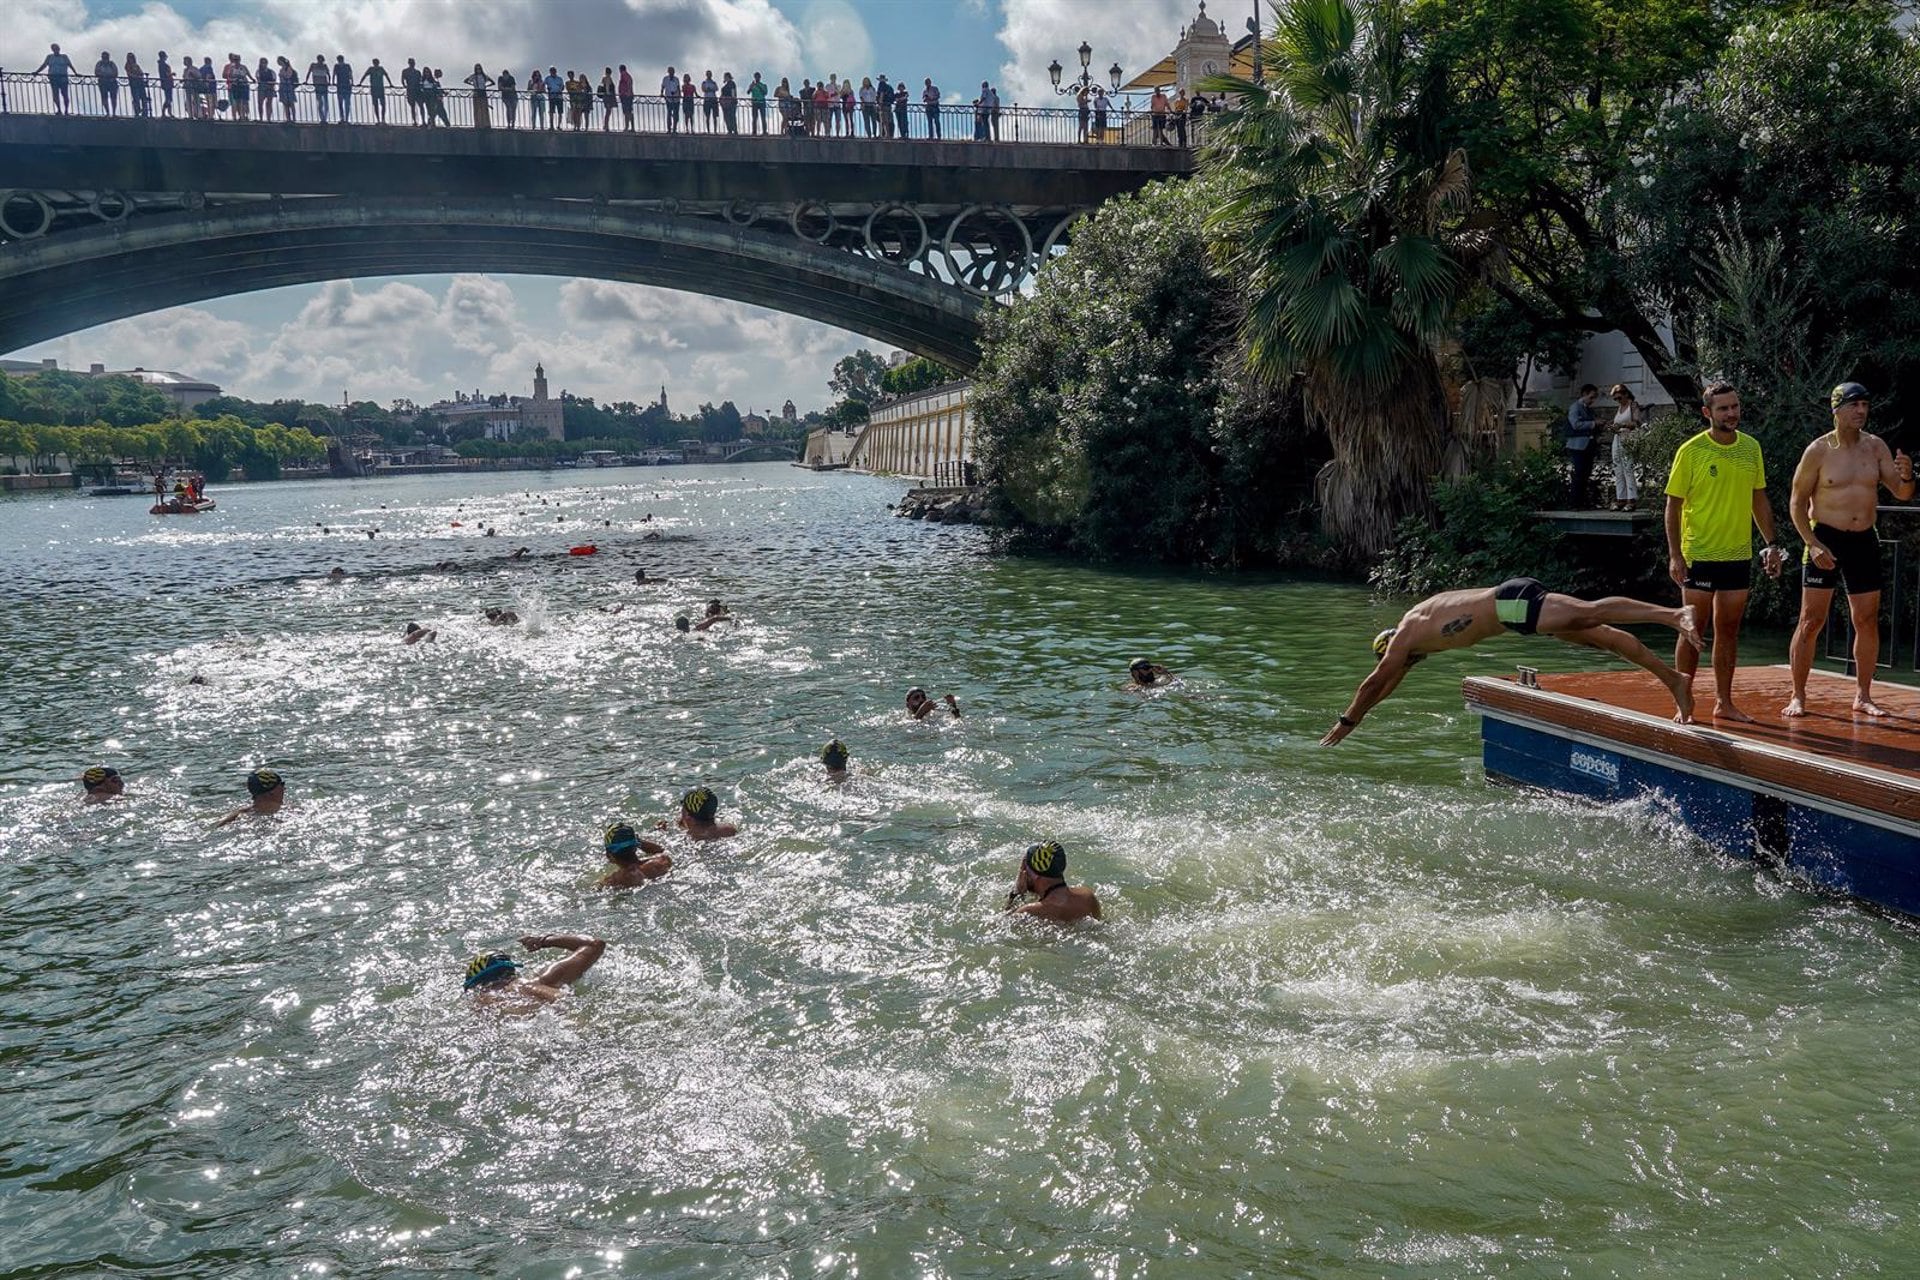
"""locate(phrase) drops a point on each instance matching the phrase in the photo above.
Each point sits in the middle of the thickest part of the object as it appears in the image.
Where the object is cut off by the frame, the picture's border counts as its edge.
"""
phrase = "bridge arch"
(59, 283)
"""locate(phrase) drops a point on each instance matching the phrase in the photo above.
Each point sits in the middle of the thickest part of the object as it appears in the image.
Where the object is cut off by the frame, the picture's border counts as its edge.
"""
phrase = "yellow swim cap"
(700, 803)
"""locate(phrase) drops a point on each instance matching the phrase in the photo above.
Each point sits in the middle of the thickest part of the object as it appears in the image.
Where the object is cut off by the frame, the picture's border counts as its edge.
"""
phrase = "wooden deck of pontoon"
(1832, 794)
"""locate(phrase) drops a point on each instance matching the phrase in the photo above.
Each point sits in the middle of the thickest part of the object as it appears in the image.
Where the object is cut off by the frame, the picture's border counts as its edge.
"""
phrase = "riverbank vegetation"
(1428, 192)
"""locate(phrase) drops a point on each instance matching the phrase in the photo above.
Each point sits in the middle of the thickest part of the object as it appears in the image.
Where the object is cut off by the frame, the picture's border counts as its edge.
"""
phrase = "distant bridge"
(907, 242)
(765, 451)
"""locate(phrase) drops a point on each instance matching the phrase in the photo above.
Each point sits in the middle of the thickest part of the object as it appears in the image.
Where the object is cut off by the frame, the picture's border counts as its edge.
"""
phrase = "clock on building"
(1209, 68)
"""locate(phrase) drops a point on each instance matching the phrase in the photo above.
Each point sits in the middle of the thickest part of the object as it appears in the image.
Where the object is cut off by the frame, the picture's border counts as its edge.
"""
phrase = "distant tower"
(541, 415)
(1203, 51)
(663, 398)
(788, 412)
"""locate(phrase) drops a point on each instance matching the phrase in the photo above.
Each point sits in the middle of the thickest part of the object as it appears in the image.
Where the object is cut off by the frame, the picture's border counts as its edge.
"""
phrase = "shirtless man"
(102, 783)
(492, 976)
(698, 810)
(624, 846)
(269, 792)
(1043, 873)
(1461, 619)
(920, 706)
(1836, 489)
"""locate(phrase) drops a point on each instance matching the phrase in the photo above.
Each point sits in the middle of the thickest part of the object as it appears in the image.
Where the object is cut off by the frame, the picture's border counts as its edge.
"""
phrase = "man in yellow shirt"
(1716, 492)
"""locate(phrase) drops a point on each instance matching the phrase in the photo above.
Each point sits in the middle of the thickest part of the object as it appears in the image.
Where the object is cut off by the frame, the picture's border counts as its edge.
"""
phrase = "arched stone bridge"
(906, 242)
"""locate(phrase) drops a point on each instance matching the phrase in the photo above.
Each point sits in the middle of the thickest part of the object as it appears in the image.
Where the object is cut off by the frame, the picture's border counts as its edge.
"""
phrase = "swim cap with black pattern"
(621, 839)
(834, 754)
(261, 781)
(1047, 859)
(700, 803)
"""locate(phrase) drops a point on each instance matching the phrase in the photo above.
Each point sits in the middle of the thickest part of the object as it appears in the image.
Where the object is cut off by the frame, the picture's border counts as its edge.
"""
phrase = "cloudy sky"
(421, 337)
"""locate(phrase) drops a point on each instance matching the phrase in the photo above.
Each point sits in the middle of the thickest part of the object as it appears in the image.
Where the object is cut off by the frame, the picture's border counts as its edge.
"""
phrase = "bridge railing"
(459, 107)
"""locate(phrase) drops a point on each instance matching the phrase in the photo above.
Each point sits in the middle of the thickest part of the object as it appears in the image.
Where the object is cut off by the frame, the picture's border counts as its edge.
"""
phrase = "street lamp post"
(1085, 80)
(1253, 28)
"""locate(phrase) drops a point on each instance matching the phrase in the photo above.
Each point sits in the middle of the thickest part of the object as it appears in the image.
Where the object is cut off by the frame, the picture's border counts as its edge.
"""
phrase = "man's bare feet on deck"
(1689, 627)
(1795, 708)
(1682, 690)
(1727, 711)
(1865, 705)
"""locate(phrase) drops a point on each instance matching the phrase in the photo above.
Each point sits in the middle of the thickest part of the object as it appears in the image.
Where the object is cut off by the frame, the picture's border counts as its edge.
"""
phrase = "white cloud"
(1136, 35)
(584, 33)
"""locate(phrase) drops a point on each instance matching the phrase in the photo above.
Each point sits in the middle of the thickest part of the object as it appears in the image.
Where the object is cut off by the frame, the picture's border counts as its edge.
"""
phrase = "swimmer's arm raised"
(584, 952)
(235, 816)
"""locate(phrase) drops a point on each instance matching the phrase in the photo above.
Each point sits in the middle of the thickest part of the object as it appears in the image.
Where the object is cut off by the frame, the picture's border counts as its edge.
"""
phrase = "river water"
(1351, 1012)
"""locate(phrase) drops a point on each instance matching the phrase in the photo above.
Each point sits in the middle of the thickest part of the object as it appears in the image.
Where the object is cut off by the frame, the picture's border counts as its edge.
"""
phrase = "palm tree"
(1337, 220)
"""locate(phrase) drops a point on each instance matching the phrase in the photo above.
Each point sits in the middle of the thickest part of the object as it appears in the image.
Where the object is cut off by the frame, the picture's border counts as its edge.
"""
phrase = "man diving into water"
(1462, 619)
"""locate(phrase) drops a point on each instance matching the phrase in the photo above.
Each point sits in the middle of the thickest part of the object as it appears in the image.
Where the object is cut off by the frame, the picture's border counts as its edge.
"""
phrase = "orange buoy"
(586, 549)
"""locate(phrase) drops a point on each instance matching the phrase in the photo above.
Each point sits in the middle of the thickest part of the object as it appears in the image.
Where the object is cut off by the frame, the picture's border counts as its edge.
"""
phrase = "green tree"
(1115, 411)
(857, 376)
(1339, 201)
(917, 374)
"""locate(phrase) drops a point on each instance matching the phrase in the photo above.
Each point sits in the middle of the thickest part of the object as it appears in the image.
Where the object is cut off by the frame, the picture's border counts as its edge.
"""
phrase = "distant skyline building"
(504, 417)
(183, 391)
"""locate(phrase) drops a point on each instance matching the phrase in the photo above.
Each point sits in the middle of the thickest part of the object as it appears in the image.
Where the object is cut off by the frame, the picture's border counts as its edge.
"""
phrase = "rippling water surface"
(1351, 1012)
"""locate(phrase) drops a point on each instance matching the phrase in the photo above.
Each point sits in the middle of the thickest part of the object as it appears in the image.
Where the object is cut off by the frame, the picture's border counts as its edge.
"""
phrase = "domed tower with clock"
(1203, 51)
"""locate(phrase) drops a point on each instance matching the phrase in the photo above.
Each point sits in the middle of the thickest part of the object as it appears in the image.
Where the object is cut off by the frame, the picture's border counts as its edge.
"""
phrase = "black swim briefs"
(1856, 561)
(1517, 603)
(1720, 575)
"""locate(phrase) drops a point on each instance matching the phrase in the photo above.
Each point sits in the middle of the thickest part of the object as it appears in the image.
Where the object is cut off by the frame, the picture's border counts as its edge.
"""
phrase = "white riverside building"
(927, 436)
(505, 417)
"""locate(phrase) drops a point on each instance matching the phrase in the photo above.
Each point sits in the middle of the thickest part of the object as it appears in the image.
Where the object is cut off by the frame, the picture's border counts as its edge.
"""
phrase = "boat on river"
(1830, 801)
(181, 507)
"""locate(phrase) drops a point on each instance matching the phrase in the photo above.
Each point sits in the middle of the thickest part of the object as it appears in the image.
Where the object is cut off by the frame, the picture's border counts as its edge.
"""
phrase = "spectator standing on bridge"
(209, 88)
(239, 86)
(980, 114)
(626, 98)
(1099, 114)
(480, 82)
(509, 96)
(106, 78)
(710, 102)
(869, 119)
(580, 99)
(822, 110)
(1158, 107)
(609, 95)
(902, 103)
(556, 97)
(436, 97)
(993, 110)
(190, 89)
(1197, 112)
(59, 69)
(164, 71)
(729, 103)
(670, 90)
(1178, 111)
(1084, 102)
(689, 95)
(846, 103)
(321, 81)
(137, 88)
(536, 99)
(376, 80)
(289, 81)
(757, 96)
(266, 86)
(930, 97)
(805, 98)
(883, 99)
(410, 85)
(343, 86)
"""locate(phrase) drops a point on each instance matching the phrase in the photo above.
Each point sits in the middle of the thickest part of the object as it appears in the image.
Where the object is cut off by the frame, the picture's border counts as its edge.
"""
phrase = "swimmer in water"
(1149, 675)
(1043, 873)
(102, 783)
(1460, 619)
(502, 617)
(717, 612)
(834, 756)
(698, 809)
(520, 554)
(920, 706)
(624, 846)
(416, 633)
(337, 574)
(684, 623)
(493, 976)
(269, 791)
